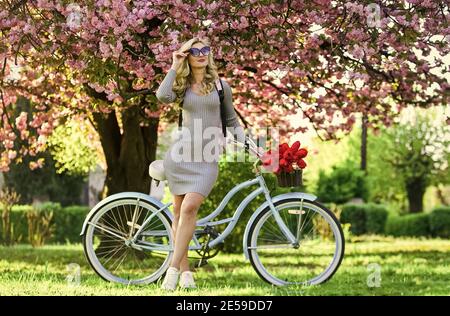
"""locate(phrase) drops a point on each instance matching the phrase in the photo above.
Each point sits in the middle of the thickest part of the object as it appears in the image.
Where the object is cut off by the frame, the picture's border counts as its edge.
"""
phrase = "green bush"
(364, 218)
(8, 198)
(41, 227)
(355, 215)
(343, 183)
(19, 220)
(376, 217)
(435, 224)
(440, 222)
(67, 221)
(415, 225)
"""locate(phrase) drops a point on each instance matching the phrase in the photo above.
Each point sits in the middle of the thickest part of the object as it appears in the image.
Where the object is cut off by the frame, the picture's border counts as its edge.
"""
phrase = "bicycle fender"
(123, 195)
(301, 195)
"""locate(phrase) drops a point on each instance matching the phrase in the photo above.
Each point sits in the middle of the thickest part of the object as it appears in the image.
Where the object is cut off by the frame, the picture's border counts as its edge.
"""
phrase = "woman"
(191, 80)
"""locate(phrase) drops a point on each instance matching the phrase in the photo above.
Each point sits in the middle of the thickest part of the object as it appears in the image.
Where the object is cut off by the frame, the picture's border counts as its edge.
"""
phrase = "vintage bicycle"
(290, 238)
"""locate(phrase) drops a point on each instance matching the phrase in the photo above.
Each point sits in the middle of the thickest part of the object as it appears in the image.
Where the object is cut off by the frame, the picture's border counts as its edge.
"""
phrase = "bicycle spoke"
(115, 252)
(107, 231)
(278, 246)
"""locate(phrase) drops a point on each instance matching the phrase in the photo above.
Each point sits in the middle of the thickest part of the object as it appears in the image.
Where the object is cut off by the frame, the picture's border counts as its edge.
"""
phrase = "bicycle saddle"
(156, 170)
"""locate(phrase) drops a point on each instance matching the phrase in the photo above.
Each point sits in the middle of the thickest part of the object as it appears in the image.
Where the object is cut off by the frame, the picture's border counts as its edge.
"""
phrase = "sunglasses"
(196, 52)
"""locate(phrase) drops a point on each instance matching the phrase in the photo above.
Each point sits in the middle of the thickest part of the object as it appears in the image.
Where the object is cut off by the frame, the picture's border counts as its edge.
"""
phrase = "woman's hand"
(178, 57)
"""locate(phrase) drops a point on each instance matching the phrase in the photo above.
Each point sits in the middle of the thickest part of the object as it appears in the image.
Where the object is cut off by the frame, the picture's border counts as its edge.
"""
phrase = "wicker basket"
(291, 179)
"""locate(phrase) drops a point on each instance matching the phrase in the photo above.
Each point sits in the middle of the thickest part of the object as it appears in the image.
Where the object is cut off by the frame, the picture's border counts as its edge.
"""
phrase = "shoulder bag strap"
(180, 116)
(219, 89)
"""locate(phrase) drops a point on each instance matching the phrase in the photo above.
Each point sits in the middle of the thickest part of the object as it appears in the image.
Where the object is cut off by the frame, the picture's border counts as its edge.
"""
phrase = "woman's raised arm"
(165, 93)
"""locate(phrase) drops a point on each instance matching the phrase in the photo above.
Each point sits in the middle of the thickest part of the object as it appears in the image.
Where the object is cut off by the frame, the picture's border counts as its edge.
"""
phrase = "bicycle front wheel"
(312, 260)
(107, 242)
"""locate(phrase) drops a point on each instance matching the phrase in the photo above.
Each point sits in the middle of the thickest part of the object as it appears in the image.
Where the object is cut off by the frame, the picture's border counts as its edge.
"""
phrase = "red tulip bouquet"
(290, 163)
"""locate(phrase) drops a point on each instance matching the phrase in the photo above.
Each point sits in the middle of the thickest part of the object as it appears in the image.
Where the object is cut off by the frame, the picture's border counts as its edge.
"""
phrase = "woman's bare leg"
(186, 227)
(177, 200)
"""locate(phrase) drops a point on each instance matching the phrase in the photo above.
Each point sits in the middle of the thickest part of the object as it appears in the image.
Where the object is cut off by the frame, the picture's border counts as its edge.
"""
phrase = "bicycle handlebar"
(249, 146)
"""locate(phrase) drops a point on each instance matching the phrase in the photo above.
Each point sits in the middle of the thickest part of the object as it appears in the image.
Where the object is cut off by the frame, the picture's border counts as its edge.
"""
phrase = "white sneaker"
(187, 280)
(171, 279)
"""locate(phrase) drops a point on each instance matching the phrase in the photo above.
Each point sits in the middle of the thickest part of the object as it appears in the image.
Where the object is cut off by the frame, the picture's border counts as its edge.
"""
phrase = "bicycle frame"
(206, 221)
(133, 236)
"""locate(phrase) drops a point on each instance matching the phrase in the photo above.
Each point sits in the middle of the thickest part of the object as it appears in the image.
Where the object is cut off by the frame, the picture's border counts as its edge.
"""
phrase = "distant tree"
(72, 148)
(416, 152)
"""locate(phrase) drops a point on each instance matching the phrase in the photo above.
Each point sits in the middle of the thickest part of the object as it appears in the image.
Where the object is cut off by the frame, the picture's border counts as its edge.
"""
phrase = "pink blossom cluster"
(331, 62)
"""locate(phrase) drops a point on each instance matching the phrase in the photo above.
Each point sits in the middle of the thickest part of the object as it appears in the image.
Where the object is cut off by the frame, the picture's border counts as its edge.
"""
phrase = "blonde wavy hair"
(184, 76)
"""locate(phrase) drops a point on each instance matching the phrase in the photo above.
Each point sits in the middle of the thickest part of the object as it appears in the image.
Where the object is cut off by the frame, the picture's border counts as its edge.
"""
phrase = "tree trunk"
(127, 154)
(443, 199)
(364, 143)
(415, 190)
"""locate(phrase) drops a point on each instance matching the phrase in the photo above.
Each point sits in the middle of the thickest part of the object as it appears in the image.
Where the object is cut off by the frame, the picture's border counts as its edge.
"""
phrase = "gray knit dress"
(198, 172)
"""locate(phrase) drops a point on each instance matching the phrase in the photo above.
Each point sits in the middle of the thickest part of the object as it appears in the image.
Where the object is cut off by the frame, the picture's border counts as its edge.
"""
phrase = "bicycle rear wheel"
(109, 252)
(320, 246)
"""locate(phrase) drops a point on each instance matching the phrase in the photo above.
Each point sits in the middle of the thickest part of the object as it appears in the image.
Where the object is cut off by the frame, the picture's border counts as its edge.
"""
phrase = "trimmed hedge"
(355, 215)
(434, 224)
(364, 218)
(373, 219)
(440, 222)
(414, 225)
(67, 220)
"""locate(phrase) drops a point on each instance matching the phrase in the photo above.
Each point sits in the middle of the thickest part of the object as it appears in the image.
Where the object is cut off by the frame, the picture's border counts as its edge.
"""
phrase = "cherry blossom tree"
(322, 60)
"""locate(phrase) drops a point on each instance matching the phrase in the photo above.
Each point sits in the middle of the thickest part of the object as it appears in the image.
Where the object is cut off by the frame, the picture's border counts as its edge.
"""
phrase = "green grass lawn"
(408, 267)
